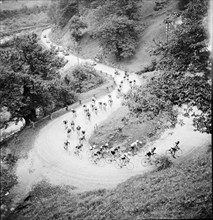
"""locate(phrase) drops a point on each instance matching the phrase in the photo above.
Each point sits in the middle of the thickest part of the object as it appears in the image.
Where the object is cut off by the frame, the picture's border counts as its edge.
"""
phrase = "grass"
(15, 5)
(183, 191)
(24, 21)
(135, 130)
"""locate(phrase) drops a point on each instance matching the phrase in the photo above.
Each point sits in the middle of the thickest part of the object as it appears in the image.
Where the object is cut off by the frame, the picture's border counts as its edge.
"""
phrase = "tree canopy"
(186, 79)
(76, 26)
(118, 35)
(29, 78)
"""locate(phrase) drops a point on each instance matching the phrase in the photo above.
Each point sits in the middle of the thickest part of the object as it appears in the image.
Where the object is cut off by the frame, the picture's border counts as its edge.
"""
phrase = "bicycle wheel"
(118, 165)
(130, 166)
(88, 153)
(100, 162)
(168, 153)
(78, 154)
(91, 160)
(178, 153)
(108, 160)
(141, 153)
(145, 162)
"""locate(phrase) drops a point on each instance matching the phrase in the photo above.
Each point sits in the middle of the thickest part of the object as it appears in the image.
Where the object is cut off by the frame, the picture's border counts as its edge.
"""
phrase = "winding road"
(49, 161)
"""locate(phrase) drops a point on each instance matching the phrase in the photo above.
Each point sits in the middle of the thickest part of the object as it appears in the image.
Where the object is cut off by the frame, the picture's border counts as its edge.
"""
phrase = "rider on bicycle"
(151, 152)
(66, 144)
(124, 158)
(72, 125)
(79, 147)
(175, 148)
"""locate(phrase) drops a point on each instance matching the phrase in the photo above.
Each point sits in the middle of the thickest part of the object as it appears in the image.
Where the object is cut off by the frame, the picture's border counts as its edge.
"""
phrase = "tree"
(186, 75)
(76, 26)
(29, 78)
(118, 35)
(66, 9)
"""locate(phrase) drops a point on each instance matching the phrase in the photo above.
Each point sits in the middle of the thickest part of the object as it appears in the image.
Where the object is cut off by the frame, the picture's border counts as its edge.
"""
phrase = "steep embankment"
(150, 19)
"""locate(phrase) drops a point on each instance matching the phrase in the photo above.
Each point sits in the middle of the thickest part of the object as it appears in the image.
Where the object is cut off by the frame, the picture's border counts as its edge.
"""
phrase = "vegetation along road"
(49, 160)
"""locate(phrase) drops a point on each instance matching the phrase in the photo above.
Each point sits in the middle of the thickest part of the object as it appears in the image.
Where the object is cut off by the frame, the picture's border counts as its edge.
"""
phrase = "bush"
(149, 68)
(163, 162)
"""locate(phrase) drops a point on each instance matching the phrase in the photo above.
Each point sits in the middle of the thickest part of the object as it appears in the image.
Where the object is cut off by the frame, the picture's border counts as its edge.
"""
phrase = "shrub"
(163, 162)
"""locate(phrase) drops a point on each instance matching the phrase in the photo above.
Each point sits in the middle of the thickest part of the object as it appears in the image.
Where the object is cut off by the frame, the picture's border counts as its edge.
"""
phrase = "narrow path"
(49, 161)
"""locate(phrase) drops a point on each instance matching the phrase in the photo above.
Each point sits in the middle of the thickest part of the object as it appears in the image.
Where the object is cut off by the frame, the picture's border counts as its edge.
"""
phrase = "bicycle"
(77, 152)
(149, 161)
(119, 163)
(96, 161)
(174, 153)
(110, 159)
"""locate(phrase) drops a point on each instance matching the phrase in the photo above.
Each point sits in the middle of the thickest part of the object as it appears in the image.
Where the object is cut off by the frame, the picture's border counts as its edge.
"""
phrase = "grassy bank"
(183, 191)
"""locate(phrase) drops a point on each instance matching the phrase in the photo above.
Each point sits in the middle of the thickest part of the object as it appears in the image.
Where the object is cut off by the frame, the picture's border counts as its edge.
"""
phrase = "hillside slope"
(183, 191)
(154, 29)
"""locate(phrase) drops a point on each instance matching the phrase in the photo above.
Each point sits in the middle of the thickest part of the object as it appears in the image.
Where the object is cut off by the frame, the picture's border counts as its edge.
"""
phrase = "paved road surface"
(48, 159)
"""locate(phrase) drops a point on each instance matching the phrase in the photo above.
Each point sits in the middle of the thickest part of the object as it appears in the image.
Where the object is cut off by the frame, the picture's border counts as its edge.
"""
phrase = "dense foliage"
(30, 79)
(118, 35)
(76, 27)
(4, 14)
(186, 66)
(60, 12)
(116, 22)
(83, 78)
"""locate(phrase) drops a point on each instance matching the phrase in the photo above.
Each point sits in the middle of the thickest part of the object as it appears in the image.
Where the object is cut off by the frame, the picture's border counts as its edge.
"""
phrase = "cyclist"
(92, 106)
(104, 147)
(96, 110)
(93, 147)
(175, 148)
(78, 148)
(134, 82)
(65, 124)
(86, 110)
(83, 134)
(74, 112)
(88, 115)
(72, 125)
(100, 105)
(68, 133)
(110, 102)
(78, 128)
(66, 144)
(116, 72)
(124, 158)
(81, 139)
(151, 152)
(94, 100)
(133, 147)
(104, 106)
(114, 150)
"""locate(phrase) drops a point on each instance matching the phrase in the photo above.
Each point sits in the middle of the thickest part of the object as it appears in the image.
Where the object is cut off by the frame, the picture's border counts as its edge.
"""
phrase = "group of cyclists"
(112, 152)
(70, 127)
